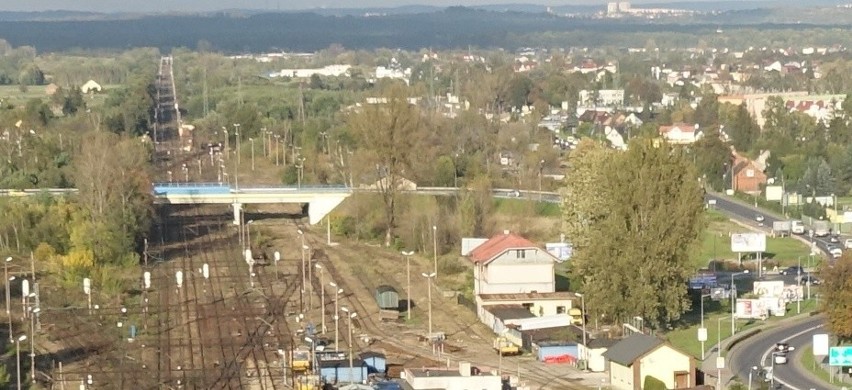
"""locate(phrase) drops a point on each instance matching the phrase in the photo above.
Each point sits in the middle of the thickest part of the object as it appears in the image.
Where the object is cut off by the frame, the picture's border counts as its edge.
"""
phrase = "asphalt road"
(755, 351)
(747, 213)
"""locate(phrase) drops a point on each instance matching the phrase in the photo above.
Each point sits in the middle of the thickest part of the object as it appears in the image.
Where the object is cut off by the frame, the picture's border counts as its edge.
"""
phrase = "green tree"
(837, 290)
(387, 136)
(638, 214)
(652, 383)
(711, 156)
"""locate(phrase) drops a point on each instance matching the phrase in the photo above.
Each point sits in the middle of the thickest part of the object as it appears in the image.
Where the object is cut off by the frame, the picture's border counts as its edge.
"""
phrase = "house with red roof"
(510, 264)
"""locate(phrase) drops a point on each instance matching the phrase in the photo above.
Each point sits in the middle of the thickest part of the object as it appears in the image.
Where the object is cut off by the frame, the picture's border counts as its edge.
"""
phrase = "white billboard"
(751, 308)
(748, 242)
(774, 193)
(821, 344)
(769, 289)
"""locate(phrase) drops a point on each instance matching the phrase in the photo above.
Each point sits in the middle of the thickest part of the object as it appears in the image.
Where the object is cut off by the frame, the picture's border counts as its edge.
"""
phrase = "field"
(716, 244)
(12, 94)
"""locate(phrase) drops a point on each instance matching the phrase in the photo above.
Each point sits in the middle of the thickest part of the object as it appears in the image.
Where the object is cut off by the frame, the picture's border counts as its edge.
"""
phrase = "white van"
(797, 227)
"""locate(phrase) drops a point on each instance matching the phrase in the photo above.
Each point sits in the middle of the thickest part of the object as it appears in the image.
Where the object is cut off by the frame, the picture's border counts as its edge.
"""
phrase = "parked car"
(794, 270)
(848, 243)
(759, 218)
(834, 238)
(809, 278)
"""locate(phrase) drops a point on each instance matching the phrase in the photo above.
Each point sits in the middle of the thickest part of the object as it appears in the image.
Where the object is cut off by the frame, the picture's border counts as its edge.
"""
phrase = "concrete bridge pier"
(238, 211)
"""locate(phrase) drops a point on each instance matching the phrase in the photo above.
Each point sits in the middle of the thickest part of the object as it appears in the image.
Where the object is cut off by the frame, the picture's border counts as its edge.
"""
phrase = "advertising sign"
(792, 293)
(748, 242)
(820, 344)
(840, 356)
(774, 193)
(751, 308)
(561, 250)
(702, 281)
(769, 289)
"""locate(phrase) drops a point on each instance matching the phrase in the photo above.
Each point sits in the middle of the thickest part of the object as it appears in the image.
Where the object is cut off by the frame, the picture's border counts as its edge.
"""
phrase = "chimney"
(464, 368)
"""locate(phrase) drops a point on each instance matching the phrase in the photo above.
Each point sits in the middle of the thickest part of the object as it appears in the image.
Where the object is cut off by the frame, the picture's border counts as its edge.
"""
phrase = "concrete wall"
(485, 382)
(663, 362)
(620, 377)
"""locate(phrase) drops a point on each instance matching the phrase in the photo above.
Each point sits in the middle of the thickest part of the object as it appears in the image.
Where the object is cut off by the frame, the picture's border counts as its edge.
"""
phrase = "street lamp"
(18, 354)
(435, 247)
(734, 301)
(35, 312)
(337, 292)
(585, 346)
(407, 255)
(8, 295)
(702, 332)
(237, 136)
(799, 286)
(248, 233)
(753, 369)
(302, 291)
(322, 294)
(306, 248)
(313, 353)
(429, 286)
(350, 316)
(252, 153)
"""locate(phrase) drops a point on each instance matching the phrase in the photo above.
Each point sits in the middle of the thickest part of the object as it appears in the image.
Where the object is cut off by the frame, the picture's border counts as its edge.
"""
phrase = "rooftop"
(559, 295)
(498, 244)
(509, 312)
(626, 351)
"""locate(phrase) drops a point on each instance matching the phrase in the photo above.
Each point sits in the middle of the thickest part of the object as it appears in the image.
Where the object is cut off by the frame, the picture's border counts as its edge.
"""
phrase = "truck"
(797, 227)
(821, 228)
(782, 228)
(504, 347)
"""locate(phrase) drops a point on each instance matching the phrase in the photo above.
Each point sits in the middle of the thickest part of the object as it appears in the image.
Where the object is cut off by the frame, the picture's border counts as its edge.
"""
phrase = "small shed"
(387, 298)
(552, 344)
(376, 362)
(337, 371)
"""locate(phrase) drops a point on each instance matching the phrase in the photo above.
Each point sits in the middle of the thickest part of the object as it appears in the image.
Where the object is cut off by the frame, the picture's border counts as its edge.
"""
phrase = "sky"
(213, 5)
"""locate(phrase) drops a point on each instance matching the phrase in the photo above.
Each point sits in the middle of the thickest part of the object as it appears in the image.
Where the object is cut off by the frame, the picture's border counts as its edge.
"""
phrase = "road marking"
(788, 338)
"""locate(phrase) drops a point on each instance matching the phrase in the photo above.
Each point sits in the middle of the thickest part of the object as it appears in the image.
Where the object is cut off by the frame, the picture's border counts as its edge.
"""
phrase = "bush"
(652, 383)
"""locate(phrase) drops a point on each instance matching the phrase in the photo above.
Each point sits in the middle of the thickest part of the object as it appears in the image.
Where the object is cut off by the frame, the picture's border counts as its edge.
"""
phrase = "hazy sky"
(211, 5)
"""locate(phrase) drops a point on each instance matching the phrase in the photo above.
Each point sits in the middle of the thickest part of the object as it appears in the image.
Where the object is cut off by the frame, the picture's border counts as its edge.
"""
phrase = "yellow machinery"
(576, 316)
(308, 382)
(301, 361)
(505, 347)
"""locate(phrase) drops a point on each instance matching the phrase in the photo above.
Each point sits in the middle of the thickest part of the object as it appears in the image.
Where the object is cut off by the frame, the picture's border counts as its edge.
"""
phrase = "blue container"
(376, 362)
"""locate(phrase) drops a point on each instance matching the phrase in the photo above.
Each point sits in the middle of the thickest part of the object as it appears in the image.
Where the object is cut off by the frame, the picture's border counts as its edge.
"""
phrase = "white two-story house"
(681, 133)
(510, 264)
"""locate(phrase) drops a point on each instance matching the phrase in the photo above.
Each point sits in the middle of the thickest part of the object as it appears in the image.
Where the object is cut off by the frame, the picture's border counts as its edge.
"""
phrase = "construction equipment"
(301, 360)
(504, 347)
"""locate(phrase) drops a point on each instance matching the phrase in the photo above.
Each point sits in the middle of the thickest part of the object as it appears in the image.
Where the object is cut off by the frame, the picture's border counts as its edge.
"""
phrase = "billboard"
(748, 242)
(793, 293)
(821, 344)
(774, 193)
(702, 280)
(751, 308)
(840, 356)
(769, 289)
(561, 250)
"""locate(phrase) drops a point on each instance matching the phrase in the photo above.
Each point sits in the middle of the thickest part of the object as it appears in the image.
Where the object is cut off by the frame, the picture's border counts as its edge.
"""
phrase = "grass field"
(12, 94)
(716, 244)
(686, 338)
(809, 362)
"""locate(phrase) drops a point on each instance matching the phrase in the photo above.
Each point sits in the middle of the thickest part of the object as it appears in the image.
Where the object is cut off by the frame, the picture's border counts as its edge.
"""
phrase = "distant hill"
(238, 31)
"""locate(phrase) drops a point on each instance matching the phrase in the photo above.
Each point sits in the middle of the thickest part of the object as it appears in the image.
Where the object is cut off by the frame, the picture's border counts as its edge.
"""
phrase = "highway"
(755, 351)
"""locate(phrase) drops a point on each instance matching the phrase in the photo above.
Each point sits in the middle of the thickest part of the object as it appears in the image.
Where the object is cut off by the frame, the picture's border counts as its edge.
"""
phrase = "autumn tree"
(387, 136)
(633, 217)
(114, 187)
(837, 290)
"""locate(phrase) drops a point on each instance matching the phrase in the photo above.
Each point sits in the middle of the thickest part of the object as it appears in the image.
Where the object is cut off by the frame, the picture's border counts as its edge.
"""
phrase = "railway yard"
(201, 314)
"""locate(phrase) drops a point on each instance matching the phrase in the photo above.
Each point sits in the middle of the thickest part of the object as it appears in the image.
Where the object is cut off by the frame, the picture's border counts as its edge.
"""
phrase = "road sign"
(702, 334)
(840, 356)
(820, 344)
(720, 362)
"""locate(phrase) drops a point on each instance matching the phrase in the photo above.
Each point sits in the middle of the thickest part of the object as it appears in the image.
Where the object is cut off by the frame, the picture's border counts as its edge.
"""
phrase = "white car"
(835, 251)
(848, 243)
